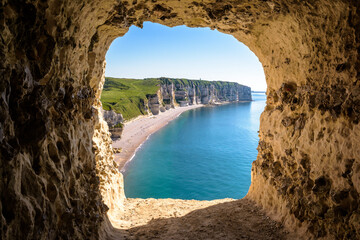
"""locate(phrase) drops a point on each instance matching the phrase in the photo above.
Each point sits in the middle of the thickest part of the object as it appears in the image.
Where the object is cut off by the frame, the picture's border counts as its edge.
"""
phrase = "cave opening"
(58, 179)
(183, 160)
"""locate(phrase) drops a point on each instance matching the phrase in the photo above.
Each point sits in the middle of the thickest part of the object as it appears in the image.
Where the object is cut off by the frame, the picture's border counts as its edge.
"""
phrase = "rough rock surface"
(56, 161)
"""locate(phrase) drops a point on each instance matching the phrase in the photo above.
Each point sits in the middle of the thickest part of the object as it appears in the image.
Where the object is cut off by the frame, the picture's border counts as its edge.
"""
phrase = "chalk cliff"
(183, 92)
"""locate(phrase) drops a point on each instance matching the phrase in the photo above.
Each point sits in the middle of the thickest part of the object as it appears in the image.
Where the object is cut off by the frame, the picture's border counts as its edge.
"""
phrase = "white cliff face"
(174, 93)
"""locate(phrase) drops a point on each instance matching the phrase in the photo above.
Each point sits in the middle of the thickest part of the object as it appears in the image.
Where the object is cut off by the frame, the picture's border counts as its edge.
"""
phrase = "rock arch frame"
(56, 160)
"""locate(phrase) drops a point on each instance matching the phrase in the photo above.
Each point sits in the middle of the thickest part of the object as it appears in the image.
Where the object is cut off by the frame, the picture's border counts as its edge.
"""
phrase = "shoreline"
(138, 130)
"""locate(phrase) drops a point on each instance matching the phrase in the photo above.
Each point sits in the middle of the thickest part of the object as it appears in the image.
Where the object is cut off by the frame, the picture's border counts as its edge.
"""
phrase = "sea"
(204, 154)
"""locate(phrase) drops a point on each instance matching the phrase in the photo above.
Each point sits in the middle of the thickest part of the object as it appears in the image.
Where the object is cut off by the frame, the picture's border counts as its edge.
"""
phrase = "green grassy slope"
(127, 96)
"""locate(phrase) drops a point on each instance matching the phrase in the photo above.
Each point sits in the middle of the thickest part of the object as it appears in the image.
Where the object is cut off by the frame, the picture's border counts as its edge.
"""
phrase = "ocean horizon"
(204, 154)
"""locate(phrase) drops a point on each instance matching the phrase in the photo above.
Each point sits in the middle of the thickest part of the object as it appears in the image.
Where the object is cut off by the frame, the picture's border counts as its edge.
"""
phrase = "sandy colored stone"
(191, 219)
(56, 168)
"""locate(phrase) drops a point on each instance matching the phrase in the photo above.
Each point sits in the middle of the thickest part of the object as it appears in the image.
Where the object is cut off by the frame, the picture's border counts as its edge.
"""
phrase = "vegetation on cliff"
(127, 96)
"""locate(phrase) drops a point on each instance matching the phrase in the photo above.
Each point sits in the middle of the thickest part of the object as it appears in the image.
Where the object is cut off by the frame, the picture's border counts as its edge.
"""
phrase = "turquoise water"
(204, 154)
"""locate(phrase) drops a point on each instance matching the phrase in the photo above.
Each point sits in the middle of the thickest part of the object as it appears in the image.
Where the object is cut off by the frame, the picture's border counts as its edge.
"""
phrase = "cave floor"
(191, 219)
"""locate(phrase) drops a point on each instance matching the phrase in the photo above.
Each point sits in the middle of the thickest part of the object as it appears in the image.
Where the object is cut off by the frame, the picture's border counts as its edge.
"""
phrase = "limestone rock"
(178, 92)
(56, 165)
(112, 118)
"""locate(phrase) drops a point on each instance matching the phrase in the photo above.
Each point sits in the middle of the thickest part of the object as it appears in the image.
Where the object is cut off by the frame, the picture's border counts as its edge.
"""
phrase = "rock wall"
(204, 92)
(177, 92)
(56, 160)
(56, 166)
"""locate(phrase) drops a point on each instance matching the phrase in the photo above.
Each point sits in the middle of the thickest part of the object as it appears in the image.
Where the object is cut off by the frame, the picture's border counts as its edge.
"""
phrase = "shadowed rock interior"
(58, 178)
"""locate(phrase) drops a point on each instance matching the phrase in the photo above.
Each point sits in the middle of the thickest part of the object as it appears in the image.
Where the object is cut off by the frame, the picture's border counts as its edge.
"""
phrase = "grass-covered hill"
(127, 96)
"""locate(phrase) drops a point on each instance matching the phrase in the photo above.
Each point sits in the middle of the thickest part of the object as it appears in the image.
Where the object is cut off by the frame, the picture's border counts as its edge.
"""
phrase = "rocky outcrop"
(57, 174)
(184, 92)
(112, 118)
(154, 102)
(115, 123)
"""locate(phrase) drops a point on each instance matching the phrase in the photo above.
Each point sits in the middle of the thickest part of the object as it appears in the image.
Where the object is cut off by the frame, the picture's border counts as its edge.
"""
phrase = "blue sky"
(182, 52)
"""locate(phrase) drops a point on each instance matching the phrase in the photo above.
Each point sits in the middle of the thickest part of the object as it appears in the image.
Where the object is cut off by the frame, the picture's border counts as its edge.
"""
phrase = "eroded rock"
(52, 134)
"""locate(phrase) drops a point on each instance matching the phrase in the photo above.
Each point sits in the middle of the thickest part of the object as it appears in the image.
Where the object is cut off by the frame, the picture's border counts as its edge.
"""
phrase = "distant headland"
(135, 97)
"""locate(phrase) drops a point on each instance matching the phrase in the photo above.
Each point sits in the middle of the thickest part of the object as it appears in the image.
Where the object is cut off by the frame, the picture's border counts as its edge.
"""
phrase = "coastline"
(138, 130)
